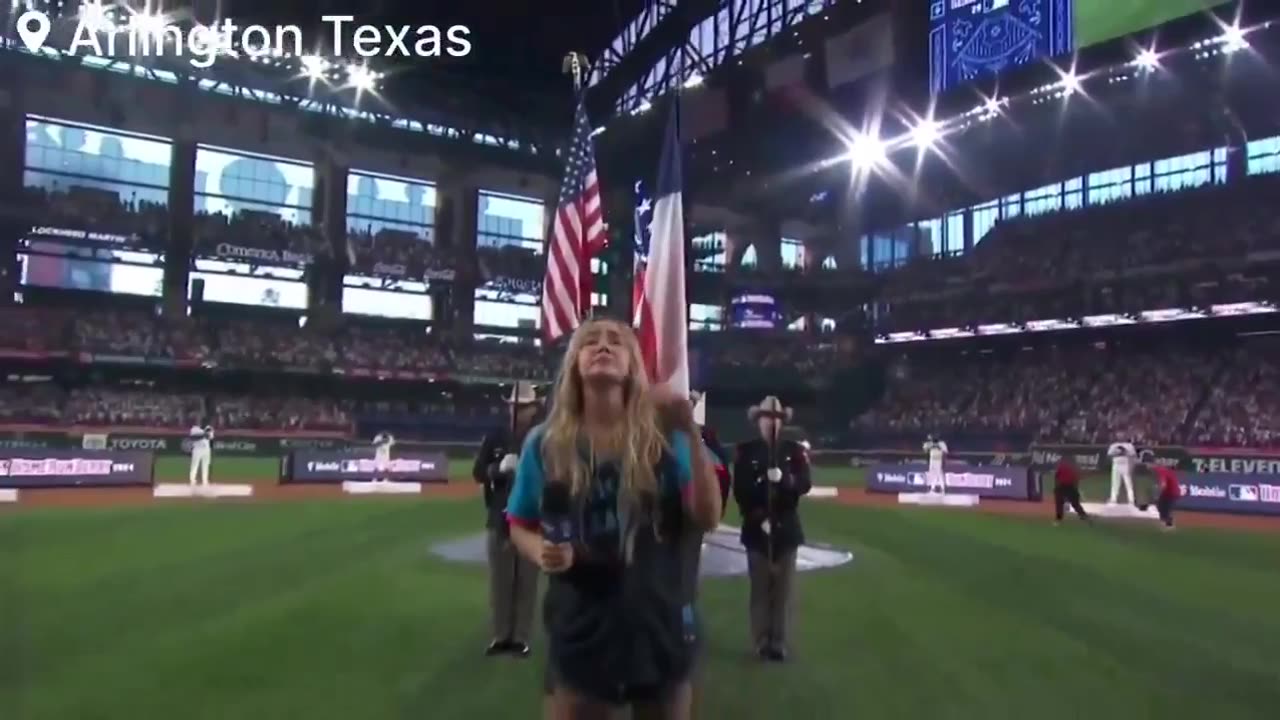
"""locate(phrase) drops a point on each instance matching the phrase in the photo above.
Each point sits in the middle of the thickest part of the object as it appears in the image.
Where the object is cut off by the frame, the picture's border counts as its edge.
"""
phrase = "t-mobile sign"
(993, 481)
(40, 468)
(335, 466)
(1229, 492)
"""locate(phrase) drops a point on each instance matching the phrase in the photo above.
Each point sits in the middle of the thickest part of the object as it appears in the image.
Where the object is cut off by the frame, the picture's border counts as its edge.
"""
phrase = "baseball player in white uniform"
(936, 451)
(1123, 456)
(201, 453)
(382, 444)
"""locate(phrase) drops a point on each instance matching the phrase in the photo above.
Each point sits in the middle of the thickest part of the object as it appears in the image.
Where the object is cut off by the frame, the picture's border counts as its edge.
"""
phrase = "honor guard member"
(382, 444)
(770, 475)
(201, 437)
(513, 579)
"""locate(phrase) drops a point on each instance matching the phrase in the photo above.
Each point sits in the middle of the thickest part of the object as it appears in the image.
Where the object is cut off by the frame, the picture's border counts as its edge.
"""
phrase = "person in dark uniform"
(1066, 490)
(1168, 490)
(770, 475)
(513, 580)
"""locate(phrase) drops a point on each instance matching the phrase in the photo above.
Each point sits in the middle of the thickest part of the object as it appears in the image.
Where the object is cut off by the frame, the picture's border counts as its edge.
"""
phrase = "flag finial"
(575, 65)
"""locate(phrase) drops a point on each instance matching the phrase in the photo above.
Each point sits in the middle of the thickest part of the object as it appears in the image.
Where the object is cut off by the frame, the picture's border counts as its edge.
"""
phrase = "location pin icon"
(33, 28)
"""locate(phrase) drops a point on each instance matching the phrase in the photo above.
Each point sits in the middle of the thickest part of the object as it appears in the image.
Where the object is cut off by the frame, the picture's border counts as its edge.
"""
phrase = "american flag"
(577, 234)
(661, 306)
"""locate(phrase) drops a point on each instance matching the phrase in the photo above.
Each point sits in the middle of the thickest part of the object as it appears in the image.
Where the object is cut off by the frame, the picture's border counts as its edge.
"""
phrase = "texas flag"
(661, 307)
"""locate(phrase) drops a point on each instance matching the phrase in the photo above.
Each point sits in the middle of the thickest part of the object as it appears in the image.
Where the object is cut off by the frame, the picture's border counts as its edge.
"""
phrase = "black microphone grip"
(557, 513)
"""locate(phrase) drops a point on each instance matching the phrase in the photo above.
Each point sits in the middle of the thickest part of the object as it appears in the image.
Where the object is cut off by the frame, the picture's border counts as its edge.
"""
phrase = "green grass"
(334, 610)
(1101, 20)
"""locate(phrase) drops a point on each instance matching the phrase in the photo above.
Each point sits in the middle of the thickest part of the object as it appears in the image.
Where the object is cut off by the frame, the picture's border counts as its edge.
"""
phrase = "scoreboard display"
(972, 38)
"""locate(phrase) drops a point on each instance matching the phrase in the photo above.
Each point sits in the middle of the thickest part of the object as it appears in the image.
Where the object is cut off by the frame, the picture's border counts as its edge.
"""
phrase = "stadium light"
(693, 80)
(314, 66)
(1148, 59)
(1070, 82)
(866, 152)
(361, 77)
(1233, 39)
(926, 133)
(95, 16)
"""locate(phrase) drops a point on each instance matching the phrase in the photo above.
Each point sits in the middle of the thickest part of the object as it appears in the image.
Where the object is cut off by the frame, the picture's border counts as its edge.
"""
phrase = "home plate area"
(722, 553)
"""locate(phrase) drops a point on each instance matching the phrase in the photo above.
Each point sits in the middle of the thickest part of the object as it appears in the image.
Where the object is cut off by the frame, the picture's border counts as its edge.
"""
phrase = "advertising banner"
(868, 458)
(1243, 493)
(335, 466)
(1010, 482)
(74, 468)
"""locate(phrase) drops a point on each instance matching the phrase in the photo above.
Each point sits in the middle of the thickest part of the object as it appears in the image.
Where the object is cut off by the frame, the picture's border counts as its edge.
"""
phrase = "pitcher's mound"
(722, 554)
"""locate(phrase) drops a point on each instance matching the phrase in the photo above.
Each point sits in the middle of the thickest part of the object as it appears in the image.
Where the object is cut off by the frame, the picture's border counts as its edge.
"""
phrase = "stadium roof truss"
(665, 46)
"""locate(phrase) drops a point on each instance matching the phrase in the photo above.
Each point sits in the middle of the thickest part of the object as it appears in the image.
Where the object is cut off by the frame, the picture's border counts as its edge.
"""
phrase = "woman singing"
(637, 476)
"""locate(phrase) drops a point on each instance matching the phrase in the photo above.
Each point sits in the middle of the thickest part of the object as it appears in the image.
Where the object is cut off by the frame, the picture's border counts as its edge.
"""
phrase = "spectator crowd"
(1090, 395)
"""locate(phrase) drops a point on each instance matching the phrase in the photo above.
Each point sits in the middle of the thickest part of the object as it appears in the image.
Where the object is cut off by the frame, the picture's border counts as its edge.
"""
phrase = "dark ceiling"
(517, 46)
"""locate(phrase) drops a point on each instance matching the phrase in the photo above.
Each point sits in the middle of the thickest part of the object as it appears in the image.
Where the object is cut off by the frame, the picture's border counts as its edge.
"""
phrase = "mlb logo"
(350, 466)
(937, 10)
(916, 478)
(1243, 493)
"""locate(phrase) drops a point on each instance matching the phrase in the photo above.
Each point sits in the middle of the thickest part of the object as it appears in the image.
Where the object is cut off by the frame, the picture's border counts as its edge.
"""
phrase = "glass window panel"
(1263, 156)
(86, 152)
(792, 252)
(510, 220)
(229, 182)
(712, 246)
(955, 233)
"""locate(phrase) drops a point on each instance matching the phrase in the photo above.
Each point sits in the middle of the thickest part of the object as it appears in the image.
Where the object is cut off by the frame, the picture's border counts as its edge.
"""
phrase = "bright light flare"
(361, 78)
(148, 22)
(1148, 59)
(95, 16)
(866, 152)
(1233, 39)
(926, 134)
(693, 80)
(314, 66)
(1071, 82)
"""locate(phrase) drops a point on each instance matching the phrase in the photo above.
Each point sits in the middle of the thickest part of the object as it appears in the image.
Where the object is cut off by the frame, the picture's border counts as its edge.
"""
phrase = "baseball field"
(333, 608)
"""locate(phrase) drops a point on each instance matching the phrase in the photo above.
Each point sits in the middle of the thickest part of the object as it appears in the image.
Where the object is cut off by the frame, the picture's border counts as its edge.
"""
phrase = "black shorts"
(624, 697)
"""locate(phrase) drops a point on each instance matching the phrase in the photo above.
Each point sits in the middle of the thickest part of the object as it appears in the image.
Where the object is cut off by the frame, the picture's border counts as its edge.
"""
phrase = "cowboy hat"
(522, 393)
(769, 407)
(699, 401)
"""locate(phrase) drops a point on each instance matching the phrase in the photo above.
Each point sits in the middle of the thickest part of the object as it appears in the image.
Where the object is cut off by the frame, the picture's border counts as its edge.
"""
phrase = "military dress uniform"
(513, 580)
(771, 533)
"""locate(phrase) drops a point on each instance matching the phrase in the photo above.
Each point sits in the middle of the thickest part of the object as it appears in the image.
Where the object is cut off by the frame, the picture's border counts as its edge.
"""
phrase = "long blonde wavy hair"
(637, 434)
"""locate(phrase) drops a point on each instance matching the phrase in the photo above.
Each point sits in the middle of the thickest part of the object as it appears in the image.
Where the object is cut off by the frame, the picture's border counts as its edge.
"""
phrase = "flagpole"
(575, 65)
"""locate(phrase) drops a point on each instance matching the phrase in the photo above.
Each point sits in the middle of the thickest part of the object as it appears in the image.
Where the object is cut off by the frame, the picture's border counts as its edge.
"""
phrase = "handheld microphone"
(557, 525)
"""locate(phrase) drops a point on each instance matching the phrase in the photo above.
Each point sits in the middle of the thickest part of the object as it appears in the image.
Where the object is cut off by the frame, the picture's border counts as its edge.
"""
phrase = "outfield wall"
(234, 443)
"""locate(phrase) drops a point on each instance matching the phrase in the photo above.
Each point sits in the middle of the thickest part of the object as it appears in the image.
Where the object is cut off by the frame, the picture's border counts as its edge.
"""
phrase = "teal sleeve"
(682, 454)
(524, 503)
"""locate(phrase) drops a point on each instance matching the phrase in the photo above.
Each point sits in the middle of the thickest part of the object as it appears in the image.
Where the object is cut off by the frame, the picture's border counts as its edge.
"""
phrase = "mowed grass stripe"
(219, 568)
(1166, 621)
(334, 609)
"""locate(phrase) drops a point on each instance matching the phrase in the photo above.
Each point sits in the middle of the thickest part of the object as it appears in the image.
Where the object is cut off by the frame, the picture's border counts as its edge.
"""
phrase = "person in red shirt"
(1168, 491)
(1066, 489)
